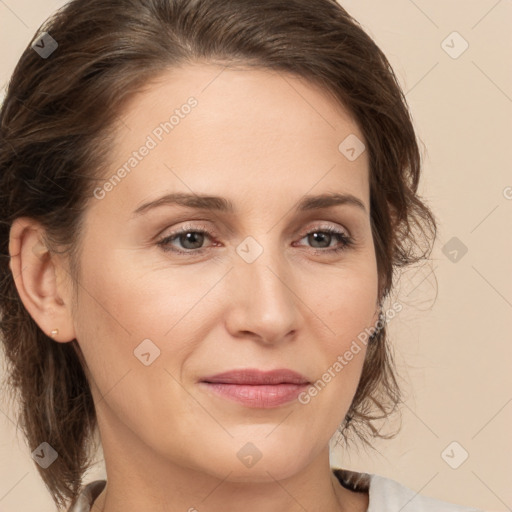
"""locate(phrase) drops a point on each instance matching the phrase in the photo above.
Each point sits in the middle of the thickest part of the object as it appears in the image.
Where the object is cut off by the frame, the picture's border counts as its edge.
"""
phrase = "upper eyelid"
(347, 240)
(214, 232)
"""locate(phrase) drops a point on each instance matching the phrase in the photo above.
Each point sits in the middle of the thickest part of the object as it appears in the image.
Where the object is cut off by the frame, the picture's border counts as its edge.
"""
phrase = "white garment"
(385, 495)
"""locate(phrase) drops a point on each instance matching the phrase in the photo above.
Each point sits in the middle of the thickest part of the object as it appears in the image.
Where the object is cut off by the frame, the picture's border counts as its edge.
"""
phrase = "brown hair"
(56, 126)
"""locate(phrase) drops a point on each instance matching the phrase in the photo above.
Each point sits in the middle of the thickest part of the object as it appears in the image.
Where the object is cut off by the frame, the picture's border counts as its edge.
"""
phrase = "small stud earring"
(54, 333)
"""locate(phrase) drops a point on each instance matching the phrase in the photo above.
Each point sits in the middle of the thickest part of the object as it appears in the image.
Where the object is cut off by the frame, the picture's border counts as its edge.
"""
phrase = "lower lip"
(257, 396)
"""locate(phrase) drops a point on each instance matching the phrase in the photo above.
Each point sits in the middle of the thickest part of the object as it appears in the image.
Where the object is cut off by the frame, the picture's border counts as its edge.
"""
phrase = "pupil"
(189, 237)
(316, 236)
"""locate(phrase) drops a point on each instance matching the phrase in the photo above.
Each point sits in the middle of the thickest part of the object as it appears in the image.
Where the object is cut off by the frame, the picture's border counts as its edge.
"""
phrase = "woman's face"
(263, 288)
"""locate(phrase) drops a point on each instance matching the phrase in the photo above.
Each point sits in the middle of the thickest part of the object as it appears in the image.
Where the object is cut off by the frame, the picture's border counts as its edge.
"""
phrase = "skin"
(262, 140)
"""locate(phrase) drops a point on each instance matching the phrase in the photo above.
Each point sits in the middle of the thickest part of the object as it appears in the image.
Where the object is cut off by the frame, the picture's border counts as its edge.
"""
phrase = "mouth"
(255, 388)
(257, 377)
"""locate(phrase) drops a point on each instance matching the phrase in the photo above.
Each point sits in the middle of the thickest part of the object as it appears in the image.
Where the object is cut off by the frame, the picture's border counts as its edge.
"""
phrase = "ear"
(43, 284)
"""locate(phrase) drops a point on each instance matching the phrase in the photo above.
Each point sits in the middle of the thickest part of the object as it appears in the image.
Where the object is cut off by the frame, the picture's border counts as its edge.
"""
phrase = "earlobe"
(35, 272)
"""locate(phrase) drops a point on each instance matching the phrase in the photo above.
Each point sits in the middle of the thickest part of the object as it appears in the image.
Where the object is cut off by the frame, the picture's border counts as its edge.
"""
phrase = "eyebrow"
(221, 204)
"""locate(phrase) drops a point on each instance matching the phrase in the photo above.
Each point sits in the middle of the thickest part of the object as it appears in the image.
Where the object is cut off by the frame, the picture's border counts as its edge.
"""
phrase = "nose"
(263, 301)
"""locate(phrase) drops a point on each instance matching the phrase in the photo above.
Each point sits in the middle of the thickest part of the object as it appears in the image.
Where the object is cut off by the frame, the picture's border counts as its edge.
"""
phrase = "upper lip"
(257, 377)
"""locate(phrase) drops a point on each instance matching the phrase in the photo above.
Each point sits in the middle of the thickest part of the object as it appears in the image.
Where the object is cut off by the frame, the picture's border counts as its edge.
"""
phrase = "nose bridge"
(263, 287)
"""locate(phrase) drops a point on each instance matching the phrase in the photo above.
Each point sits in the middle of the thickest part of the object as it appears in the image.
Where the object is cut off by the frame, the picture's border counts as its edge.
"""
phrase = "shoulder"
(399, 497)
(385, 495)
(87, 496)
(388, 495)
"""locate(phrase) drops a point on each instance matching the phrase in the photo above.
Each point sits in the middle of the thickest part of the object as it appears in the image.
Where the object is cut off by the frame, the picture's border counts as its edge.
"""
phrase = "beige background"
(453, 351)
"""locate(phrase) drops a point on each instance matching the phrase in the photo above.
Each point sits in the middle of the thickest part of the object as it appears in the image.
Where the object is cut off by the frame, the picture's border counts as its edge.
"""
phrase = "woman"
(203, 205)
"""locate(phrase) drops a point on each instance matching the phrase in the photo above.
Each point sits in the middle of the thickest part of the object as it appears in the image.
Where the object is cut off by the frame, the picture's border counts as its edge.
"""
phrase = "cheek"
(132, 366)
(346, 303)
(350, 309)
(121, 306)
(344, 308)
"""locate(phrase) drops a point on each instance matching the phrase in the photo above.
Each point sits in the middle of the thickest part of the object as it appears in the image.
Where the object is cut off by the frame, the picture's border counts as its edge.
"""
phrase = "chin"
(274, 468)
(256, 462)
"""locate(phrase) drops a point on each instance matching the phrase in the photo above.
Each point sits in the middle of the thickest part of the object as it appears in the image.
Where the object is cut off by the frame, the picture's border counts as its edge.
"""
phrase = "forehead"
(235, 129)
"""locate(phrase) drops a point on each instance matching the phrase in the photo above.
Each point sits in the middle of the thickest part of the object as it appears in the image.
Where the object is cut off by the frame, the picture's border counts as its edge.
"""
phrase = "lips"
(255, 388)
(256, 377)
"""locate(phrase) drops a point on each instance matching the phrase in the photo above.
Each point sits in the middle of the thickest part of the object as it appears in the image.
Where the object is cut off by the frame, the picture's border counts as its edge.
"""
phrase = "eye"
(191, 240)
(324, 236)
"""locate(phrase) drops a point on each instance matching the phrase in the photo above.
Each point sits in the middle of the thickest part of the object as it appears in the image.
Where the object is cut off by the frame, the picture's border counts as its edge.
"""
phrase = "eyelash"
(346, 240)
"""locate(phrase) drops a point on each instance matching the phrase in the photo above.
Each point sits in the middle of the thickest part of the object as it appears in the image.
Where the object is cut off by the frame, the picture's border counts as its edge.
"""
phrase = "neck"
(141, 477)
(224, 495)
